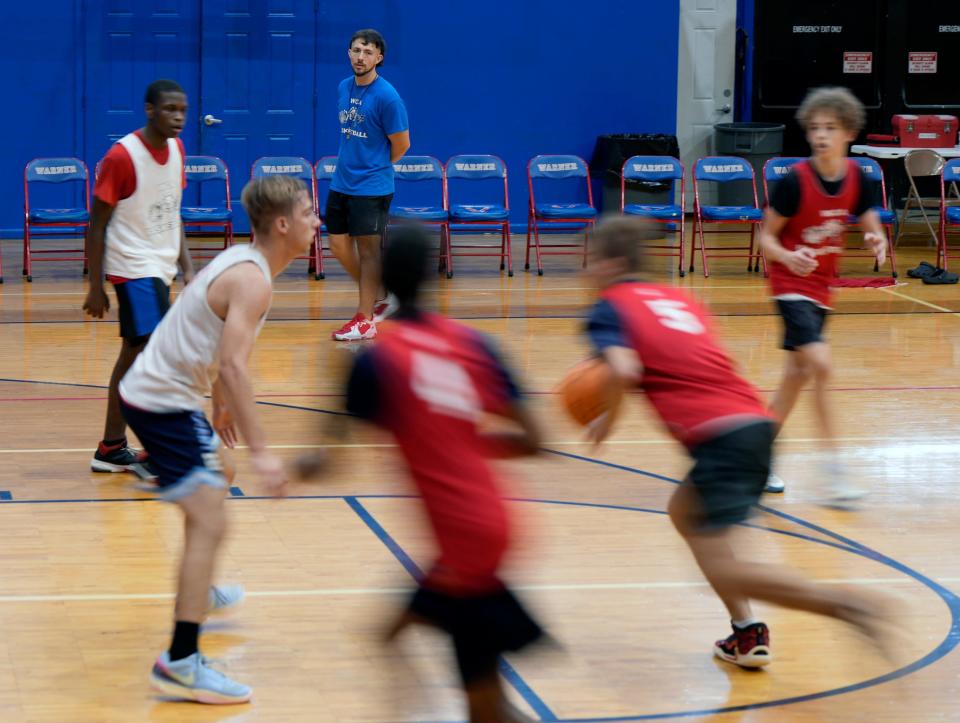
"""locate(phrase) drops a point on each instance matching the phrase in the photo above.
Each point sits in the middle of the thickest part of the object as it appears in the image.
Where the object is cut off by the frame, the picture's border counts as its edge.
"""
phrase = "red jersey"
(820, 223)
(688, 378)
(429, 381)
(117, 179)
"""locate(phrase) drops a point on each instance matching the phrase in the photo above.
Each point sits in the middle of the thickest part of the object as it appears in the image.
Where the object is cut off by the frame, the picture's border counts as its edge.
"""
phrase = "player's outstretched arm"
(522, 442)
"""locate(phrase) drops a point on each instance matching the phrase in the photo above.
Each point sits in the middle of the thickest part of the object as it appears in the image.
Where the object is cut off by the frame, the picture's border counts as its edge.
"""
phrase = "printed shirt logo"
(544, 167)
(475, 166)
(830, 230)
(55, 170)
(354, 118)
(163, 216)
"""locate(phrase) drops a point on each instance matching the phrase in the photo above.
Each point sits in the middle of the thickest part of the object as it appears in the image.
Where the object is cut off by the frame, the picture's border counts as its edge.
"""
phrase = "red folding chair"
(421, 196)
(563, 213)
(54, 222)
(323, 171)
(888, 218)
(720, 170)
(207, 171)
(656, 169)
(486, 210)
(949, 210)
(298, 168)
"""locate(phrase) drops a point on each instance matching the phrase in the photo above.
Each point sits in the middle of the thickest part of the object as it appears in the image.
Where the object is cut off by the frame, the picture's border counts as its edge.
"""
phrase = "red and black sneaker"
(748, 647)
(120, 457)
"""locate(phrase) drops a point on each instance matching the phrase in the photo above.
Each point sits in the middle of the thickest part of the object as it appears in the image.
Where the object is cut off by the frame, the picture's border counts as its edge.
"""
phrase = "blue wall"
(504, 77)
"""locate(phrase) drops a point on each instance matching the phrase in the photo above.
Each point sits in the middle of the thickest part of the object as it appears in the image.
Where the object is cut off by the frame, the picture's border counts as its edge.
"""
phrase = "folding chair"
(561, 213)
(60, 222)
(487, 210)
(298, 168)
(949, 209)
(323, 172)
(657, 169)
(775, 169)
(421, 196)
(921, 163)
(725, 169)
(201, 220)
(888, 218)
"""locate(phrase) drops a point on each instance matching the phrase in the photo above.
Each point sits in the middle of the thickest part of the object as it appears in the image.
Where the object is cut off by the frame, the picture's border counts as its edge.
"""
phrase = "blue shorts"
(141, 304)
(182, 448)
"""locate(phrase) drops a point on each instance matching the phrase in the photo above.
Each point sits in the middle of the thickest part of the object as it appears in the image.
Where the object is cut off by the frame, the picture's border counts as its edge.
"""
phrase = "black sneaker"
(117, 458)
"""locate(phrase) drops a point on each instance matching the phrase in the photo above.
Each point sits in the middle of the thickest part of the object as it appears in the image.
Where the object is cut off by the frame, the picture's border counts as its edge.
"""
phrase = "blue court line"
(5, 496)
(236, 492)
(506, 670)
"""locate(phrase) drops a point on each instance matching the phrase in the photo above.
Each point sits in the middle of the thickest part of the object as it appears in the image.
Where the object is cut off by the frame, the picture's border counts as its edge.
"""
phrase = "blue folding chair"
(949, 214)
(206, 172)
(479, 215)
(421, 196)
(656, 169)
(563, 212)
(298, 168)
(775, 169)
(71, 221)
(888, 218)
(323, 172)
(725, 169)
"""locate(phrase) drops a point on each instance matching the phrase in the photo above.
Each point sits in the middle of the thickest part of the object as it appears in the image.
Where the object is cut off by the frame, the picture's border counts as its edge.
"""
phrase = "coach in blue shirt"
(374, 133)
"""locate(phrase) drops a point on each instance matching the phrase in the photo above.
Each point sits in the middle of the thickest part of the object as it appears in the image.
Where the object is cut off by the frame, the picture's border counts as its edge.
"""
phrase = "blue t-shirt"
(368, 114)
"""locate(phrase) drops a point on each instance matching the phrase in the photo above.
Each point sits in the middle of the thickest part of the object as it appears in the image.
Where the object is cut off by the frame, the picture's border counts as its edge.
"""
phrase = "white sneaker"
(193, 679)
(775, 484)
(837, 490)
(385, 308)
(225, 597)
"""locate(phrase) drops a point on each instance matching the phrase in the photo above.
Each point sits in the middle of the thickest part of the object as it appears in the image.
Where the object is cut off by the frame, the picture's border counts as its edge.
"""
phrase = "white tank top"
(178, 367)
(143, 236)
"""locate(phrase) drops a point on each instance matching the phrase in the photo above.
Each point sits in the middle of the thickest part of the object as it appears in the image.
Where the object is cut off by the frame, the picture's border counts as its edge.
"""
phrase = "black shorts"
(182, 448)
(141, 304)
(730, 472)
(482, 627)
(803, 322)
(357, 215)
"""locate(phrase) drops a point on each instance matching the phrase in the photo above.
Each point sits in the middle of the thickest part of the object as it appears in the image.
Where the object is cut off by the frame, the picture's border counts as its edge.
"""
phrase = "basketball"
(589, 390)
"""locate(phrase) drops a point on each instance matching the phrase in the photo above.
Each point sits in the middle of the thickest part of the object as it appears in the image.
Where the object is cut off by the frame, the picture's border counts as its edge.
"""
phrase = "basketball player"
(658, 339)
(802, 238)
(374, 133)
(209, 333)
(135, 235)
(429, 381)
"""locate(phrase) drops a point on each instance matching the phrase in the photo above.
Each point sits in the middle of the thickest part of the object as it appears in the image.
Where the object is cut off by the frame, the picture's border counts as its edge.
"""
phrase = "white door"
(705, 75)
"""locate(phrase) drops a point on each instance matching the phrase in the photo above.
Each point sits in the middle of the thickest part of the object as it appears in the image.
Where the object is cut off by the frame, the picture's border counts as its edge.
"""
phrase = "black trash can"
(754, 142)
(607, 162)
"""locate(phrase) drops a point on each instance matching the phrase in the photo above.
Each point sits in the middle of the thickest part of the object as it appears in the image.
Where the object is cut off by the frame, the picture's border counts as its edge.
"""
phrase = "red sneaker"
(748, 648)
(357, 329)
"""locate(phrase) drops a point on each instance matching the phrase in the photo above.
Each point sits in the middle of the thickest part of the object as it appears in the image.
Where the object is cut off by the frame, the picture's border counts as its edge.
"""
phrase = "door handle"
(209, 120)
(724, 109)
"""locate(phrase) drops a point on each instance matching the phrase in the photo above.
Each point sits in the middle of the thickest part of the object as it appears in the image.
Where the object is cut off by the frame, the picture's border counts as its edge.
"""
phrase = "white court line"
(361, 591)
(919, 301)
(572, 443)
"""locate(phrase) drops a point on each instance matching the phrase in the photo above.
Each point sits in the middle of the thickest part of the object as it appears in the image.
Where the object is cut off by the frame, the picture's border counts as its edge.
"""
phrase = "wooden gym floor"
(87, 560)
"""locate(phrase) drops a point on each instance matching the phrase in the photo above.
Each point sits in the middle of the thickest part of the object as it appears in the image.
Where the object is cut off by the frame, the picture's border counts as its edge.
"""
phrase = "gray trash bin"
(754, 142)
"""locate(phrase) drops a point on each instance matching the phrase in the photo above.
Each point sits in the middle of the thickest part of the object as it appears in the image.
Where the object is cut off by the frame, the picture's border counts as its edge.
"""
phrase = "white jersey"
(180, 363)
(143, 236)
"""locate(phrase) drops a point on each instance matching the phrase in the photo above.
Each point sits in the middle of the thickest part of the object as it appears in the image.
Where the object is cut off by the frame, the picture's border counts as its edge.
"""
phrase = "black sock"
(184, 640)
(121, 442)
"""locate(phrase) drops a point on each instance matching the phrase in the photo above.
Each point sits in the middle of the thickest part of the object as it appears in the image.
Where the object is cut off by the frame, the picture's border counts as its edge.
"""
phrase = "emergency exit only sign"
(921, 63)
